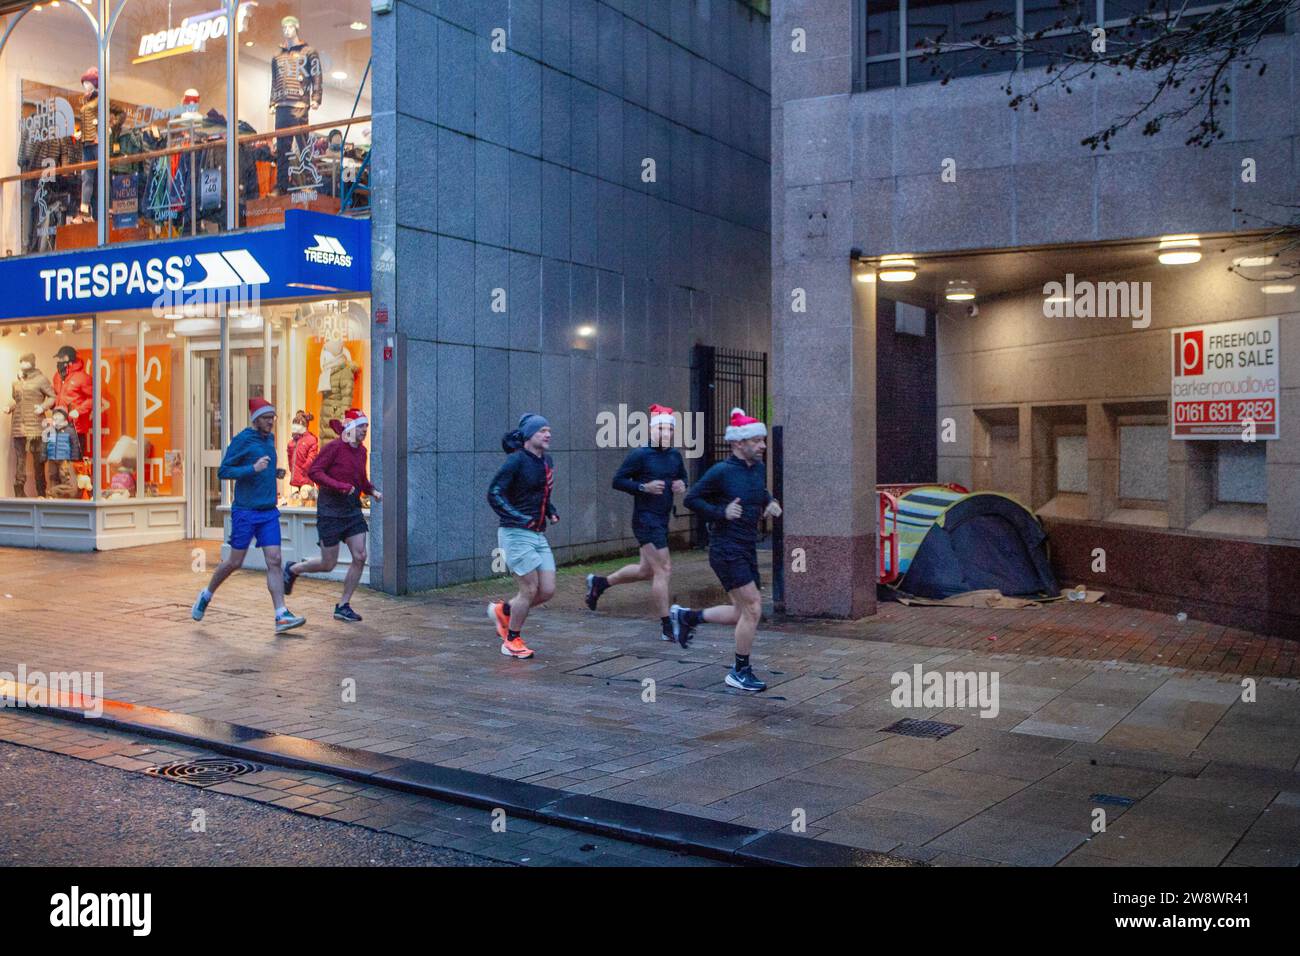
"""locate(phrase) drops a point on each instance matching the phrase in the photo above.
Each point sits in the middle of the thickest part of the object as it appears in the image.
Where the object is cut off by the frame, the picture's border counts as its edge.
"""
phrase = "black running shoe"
(288, 581)
(593, 595)
(683, 630)
(344, 612)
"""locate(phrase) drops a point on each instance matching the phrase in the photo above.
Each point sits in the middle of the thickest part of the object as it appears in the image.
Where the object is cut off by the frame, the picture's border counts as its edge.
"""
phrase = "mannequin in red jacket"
(303, 448)
(74, 390)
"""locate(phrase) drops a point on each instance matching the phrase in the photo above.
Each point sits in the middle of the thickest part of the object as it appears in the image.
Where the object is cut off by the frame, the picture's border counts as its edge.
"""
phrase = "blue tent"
(975, 542)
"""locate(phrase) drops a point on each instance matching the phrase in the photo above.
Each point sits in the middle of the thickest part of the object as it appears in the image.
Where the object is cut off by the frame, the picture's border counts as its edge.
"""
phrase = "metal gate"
(723, 379)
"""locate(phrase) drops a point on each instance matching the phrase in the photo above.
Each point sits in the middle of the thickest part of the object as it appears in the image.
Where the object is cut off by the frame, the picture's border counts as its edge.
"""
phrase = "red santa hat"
(742, 427)
(661, 415)
(257, 407)
(353, 418)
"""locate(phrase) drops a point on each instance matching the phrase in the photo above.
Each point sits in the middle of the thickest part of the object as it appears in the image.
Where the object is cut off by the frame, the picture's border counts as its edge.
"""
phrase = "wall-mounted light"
(1179, 250)
(896, 269)
(357, 25)
(339, 75)
(959, 290)
(586, 331)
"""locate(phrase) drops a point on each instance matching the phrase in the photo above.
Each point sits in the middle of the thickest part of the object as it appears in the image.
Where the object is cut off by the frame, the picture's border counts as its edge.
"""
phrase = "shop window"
(48, 409)
(48, 69)
(167, 123)
(1144, 462)
(995, 458)
(1072, 464)
(1059, 466)
(1241, 474)
(142, 409)
(1236, 503)
(304, 73)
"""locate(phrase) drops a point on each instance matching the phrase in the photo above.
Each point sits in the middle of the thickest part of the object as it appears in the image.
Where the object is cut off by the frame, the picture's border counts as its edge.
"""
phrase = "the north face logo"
(328, 252)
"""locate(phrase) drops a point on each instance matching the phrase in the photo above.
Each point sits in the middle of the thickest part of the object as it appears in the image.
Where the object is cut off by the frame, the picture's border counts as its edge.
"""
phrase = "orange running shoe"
(516, 648)
(497, 615)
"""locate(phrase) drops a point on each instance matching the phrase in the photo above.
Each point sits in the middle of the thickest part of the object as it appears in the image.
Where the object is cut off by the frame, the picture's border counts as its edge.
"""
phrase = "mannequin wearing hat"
(74, 390)
(295, 91)
(31, 396)
(88, 113)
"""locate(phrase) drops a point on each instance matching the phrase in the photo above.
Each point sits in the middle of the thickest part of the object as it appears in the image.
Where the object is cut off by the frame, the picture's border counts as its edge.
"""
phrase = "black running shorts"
(332, 530)
(735, 565)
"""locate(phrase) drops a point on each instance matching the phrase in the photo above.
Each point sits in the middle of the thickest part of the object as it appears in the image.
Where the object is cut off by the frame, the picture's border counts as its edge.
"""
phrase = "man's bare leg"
(234, 561)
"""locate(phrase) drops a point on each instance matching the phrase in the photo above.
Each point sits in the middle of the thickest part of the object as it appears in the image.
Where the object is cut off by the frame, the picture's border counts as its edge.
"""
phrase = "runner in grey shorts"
(520, 494)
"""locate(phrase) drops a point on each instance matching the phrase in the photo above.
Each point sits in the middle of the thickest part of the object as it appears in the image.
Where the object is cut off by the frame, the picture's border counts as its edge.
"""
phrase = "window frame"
(904, 54)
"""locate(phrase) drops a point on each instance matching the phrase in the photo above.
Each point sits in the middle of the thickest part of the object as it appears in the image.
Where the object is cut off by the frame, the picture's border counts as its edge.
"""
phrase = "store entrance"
(248, 379)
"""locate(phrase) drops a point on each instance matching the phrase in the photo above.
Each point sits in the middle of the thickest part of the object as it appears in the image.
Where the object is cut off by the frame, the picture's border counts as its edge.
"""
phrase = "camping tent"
(950, 543)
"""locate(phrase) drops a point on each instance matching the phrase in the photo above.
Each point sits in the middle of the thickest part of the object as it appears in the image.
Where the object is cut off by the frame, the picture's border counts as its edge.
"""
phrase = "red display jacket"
(76, 393)
(302, 451)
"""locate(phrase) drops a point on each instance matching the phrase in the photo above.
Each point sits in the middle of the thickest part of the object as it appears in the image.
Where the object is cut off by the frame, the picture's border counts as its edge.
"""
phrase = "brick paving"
(1096, 702)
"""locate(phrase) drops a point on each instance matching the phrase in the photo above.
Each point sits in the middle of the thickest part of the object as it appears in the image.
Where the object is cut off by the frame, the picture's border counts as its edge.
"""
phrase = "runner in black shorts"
(340, 473)
(651, 475)
(733, 497)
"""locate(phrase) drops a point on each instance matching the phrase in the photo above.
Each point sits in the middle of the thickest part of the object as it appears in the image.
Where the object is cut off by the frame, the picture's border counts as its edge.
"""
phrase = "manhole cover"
(920, 728)
(204, 771)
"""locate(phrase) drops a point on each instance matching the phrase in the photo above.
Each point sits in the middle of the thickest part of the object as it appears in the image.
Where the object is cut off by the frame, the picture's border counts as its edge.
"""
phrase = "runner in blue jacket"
(651, 475)
(733, 497)
(250, 463)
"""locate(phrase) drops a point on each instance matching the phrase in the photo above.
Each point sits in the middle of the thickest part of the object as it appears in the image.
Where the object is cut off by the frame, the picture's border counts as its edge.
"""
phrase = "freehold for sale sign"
(1226, 379)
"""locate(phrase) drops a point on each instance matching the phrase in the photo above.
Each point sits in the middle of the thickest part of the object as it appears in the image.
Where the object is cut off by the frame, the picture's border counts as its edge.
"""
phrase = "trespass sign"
(1226, 380)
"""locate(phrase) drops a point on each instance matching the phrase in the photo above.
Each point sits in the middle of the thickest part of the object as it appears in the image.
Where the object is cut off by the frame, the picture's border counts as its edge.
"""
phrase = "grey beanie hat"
(530, 423)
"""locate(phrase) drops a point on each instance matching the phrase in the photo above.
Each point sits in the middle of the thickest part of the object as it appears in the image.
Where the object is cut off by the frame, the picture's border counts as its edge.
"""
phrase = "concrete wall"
(1022, 179)
(522, 171)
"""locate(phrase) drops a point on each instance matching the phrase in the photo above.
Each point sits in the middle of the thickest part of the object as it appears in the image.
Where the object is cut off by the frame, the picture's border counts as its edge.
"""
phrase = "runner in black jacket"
(733, 497)
(651, 475)
(520, 494)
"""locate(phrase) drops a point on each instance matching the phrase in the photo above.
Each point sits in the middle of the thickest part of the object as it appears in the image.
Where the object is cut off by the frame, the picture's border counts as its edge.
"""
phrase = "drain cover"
(204, 771)
(920, 728)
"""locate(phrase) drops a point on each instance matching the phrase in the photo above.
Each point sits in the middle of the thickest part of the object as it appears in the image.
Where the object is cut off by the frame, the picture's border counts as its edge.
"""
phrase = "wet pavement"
(1099, 708)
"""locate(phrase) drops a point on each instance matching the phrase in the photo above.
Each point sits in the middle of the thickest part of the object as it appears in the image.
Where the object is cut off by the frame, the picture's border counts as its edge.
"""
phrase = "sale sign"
(1226, 380)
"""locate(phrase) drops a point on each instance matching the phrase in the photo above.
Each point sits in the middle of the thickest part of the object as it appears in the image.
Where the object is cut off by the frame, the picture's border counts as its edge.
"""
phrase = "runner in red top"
(339, 471)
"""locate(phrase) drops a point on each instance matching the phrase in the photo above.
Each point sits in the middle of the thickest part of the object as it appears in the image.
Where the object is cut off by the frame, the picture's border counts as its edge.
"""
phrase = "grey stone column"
(387, 393)
(823, 322)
